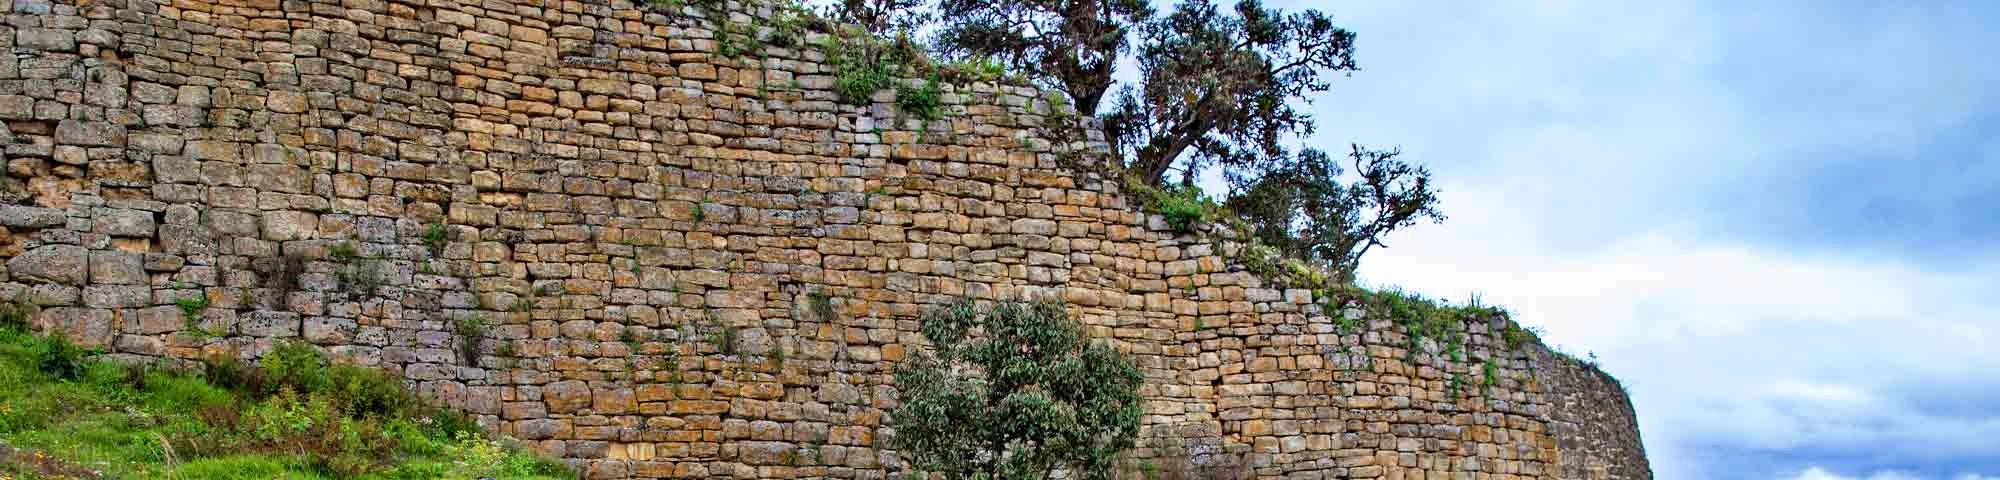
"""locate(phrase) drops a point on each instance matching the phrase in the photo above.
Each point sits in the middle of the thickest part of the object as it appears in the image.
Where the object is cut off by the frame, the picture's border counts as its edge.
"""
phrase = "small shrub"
(924, 101)
(361, 277)
(191, 308)
(469, 330)
(297, 365)
(58, 357)
(1182, 206)
(435, 237)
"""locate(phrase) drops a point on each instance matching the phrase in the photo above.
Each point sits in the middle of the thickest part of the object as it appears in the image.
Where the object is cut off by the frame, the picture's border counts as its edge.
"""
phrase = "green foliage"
(291, 415)
(470, 329)
(343, 252)
(57, 357)
(436, 236)
(976, 69)
(880, 17)
(1492, 378)
(926, 101)
(1302, 206)
(1454, 386)
(1224, 88)
(1014, 391)
(857, 76)
(360, 276)
(1070, 45)
(1184, 206)
(724, 336)
(191, 307)
(630, 337)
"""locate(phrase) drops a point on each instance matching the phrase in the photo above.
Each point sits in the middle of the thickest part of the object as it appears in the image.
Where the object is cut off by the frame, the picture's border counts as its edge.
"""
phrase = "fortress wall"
(681, 265)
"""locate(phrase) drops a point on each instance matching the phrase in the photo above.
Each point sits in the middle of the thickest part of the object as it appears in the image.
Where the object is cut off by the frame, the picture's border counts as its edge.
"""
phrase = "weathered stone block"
(285, 225)
(30, 217)
(90, 134)
(88, 327)
(566, 396)
(64, 264)
(117, 268)
(125, 223)
(45, 39)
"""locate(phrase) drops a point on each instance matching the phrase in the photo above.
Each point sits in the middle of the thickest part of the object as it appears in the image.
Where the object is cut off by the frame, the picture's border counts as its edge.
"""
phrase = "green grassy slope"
(291, 416)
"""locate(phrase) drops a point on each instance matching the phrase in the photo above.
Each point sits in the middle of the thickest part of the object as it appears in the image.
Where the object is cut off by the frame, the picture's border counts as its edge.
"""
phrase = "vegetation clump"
(293, 414)
(1044, 396)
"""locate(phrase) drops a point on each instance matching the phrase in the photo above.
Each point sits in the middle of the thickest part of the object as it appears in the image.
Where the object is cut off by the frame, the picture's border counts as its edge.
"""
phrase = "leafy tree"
(880, 17)
(1304, 209)
(1069, 45)
(1016, 391)
(1222, 89)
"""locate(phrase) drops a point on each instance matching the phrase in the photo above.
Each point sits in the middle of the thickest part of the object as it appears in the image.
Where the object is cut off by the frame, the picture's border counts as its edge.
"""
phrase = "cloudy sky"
(1778, 223)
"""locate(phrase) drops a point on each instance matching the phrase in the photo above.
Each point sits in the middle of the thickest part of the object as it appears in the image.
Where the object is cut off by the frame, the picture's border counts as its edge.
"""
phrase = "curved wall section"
(578, 222)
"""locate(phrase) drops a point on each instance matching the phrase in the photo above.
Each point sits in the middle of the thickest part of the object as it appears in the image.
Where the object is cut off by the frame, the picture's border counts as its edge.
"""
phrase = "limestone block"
(64, 264)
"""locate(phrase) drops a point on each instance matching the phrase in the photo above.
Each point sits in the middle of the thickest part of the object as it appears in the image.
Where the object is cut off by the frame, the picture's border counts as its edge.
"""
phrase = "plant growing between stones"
(821, 305)
(191, 310)
(630, 338)
(925, 101)
(435, 237)
(1045, 397)
(469, 330)
(1492, 378)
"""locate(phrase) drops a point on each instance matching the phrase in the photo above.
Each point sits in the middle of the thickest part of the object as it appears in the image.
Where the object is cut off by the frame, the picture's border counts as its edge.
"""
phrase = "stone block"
(64, 264)
(90, 134)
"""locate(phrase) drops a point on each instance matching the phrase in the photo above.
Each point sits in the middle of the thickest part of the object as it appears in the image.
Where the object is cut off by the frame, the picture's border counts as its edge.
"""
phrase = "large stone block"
(64, 264)
(88, 327)
(19, 216)
(45, 39)
(90, 134)
(285, 225)
(125, 223)
(566, 396)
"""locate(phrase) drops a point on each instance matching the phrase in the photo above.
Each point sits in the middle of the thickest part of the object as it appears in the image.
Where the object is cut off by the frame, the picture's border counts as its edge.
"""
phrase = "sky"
(1778, 223)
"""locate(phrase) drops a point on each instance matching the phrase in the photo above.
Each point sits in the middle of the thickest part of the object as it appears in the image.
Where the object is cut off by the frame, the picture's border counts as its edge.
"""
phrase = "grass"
(292, 415)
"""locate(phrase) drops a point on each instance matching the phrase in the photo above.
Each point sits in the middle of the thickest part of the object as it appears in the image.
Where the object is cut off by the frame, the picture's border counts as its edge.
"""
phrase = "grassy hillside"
(292, 415)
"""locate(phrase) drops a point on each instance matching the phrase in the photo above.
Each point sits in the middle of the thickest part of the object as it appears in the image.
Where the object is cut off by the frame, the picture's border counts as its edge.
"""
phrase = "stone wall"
(576, 221)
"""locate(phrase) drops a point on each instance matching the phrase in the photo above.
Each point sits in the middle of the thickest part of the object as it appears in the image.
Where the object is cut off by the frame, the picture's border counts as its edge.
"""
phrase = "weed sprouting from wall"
(436, 236)
(470, 330)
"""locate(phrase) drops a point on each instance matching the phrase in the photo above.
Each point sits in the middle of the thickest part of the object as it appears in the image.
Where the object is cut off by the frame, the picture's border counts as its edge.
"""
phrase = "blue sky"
(1778, 223)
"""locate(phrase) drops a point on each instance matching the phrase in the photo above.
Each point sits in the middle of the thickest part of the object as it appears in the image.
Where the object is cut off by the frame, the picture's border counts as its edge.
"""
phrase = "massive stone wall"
(578, 222)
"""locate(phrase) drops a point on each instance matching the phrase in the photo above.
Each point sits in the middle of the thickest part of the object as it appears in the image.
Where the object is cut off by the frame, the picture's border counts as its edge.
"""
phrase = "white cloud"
(1818, 473)
(1588, 152)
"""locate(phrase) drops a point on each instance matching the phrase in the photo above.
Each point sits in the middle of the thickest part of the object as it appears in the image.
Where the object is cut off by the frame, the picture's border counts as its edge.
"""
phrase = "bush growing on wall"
(1014, 391)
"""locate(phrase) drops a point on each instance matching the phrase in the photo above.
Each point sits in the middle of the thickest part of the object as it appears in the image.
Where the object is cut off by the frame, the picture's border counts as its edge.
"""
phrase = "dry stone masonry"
(579, 222)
